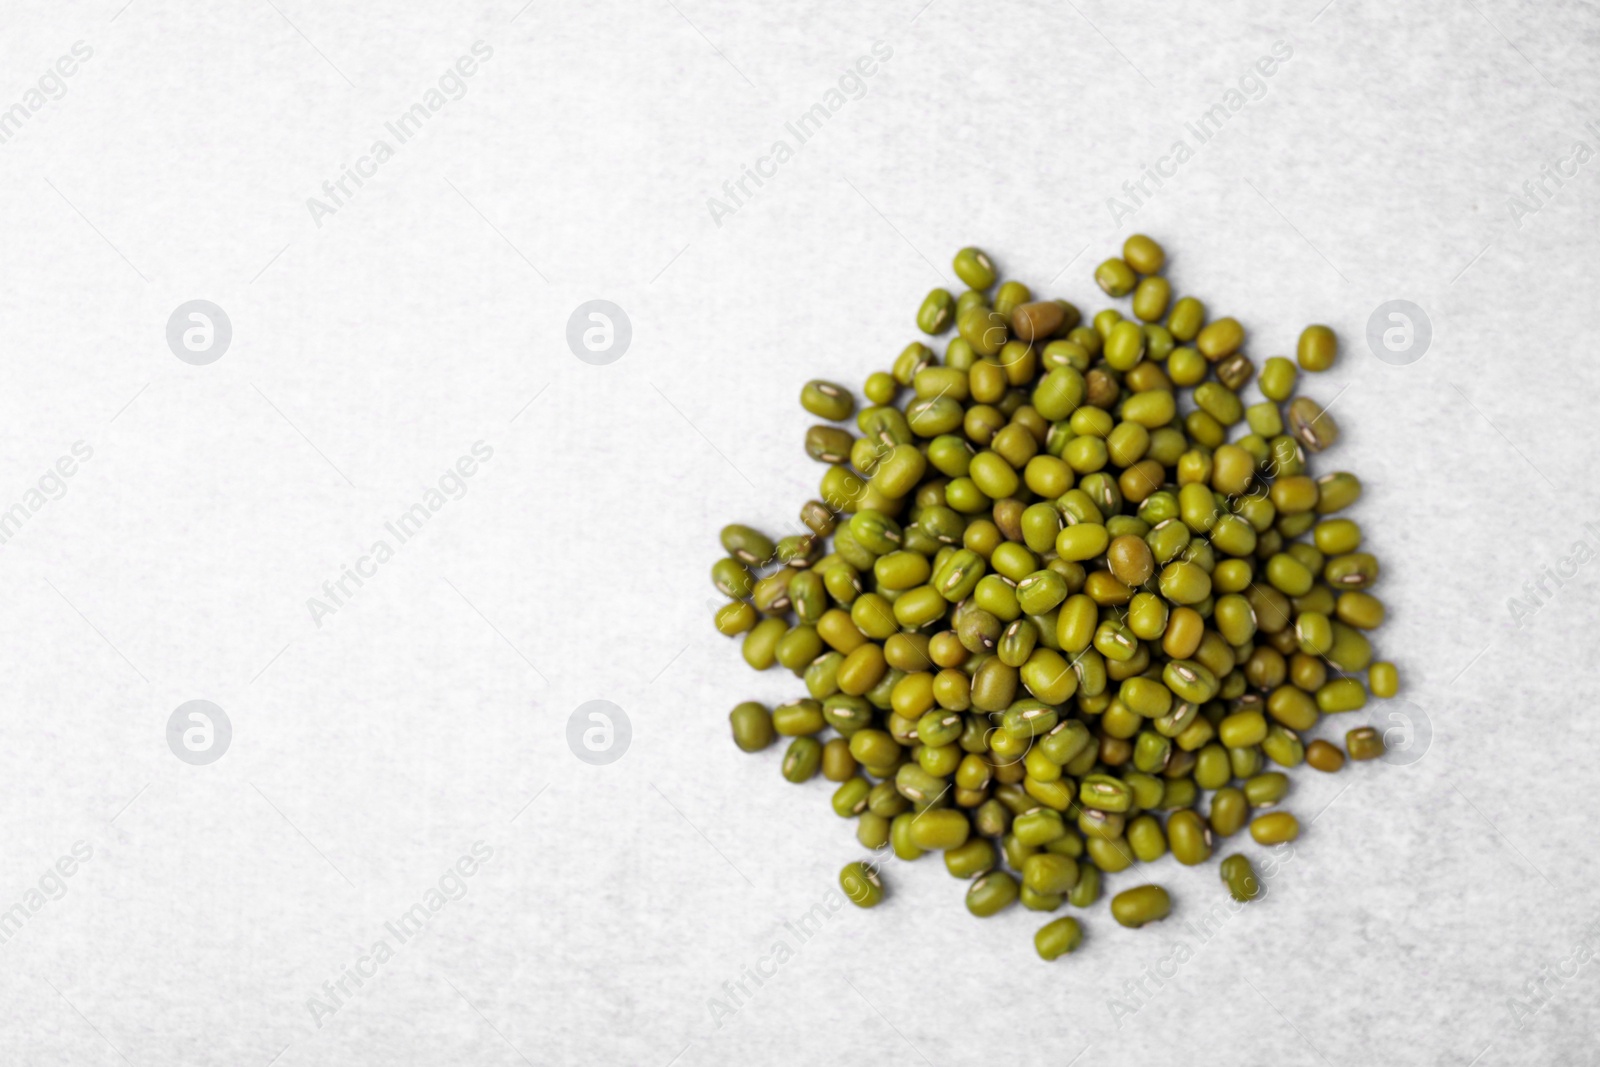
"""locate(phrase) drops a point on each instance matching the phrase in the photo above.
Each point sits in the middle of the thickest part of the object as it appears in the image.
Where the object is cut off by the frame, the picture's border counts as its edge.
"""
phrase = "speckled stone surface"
(399, 531)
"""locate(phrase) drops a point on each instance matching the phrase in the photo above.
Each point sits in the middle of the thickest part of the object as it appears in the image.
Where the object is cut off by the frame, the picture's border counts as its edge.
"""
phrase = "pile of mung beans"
(1078, 591)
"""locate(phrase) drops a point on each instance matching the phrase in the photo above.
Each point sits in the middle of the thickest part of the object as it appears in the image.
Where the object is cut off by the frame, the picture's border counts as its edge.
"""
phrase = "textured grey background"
(430, 312)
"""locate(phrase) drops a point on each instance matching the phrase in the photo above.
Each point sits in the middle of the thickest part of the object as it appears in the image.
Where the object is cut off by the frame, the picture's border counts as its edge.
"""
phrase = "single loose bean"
(1263, 790)
(1324, 756)
(802, 760)
(991, 893)
(1311, 425)
(1116, 277)
(1219, 338)
(975, 856)
(748, 545)
(1010, 296)
(900, 837)
(1240, 878)
(1278, 379)
(1102, 792)
(1140, 905)
(973, 266)
(850, 799)
(732, 578)
(828, 401)
(937, 312)
(1317, 349)
(761, 643)
(940, 829)
(1342, 694)
(861, 885)
(1058, 938)
(803, 717)
(1187, 317)
(1037, 320)
(1189, 838)
(735, 618)
(1274, 828)
(1150, 298)
(1364, 743)
(1049, 872)
(1384, 679)
(983, 328)
(1143, 254)
(1229, 811)
(1242, 728)
(838, 765)
(752, 726)
(1361, 610)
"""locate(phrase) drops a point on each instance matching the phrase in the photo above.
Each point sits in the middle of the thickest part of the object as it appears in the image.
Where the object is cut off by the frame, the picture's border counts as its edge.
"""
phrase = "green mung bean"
(1058, 938)
(1116, 277)
(937, 312)
(1240, 878)
(1317, 349)
(973, 266)
(1364, 743)
(861, 885)
(1141, 905)
(991, 893)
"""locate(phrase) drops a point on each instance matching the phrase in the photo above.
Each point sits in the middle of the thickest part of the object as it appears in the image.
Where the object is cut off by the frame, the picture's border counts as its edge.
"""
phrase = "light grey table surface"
(1438, 909)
